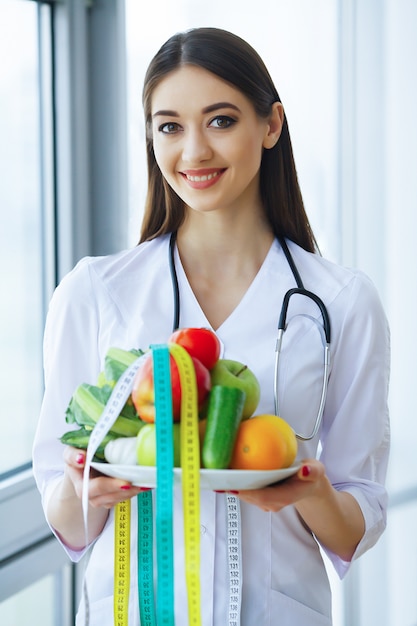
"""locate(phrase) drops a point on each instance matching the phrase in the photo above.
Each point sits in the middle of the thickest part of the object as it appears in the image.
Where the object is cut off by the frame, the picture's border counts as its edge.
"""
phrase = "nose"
(196, 147)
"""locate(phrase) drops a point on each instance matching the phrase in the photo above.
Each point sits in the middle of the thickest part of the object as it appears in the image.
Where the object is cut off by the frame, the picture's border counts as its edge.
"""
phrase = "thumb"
(310, 470)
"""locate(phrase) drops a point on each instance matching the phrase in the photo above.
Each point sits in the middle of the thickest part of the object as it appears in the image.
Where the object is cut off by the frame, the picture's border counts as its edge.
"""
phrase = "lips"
(203, 178)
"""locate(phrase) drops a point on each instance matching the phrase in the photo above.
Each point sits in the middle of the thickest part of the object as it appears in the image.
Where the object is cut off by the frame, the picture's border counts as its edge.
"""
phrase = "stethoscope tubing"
(282, 324)
(323, 395)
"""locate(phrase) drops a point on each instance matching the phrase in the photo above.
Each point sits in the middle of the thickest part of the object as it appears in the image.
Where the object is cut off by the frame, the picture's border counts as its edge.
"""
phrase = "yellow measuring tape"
(122, 563)
(190, 464)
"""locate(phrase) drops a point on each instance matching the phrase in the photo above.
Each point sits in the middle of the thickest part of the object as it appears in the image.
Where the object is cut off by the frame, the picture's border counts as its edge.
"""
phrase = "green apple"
(146, 445)
(235, 374)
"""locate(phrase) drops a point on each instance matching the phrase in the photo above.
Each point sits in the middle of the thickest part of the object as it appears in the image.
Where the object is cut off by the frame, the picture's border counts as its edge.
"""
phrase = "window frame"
(87, 41)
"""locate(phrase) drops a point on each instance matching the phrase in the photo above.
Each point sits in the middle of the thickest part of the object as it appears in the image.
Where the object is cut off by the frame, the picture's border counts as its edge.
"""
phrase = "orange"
(264, 442)
(289, 434)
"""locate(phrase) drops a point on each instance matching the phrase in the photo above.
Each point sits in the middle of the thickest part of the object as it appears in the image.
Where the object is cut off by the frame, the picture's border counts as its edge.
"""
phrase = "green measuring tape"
(164, 483)
(145, 559)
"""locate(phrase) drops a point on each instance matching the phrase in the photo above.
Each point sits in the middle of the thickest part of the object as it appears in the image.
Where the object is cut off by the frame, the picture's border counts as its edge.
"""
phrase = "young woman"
(223, 191)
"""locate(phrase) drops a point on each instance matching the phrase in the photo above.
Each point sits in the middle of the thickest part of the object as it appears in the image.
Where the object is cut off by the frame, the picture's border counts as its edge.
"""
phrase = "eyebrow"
(208, 109)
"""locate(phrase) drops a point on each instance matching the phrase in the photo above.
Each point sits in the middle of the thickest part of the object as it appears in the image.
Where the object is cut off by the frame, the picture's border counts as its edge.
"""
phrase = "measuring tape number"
(164, 485)
(111, 412)
(145, 559)
(234, 559)
(190, 464)
(122, 563)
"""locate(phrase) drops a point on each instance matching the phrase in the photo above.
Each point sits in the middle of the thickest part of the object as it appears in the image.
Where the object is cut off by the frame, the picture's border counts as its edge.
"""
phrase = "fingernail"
(218, 491)
(79, 459)
(146, 488)
(233, 492)
(125, 487)
(306, 470)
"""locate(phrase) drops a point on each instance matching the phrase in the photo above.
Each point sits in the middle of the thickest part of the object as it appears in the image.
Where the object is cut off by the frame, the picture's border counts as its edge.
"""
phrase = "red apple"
(201, 343)
(143, 393)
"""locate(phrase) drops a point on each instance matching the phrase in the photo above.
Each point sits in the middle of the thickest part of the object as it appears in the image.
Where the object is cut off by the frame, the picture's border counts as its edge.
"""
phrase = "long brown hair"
(232, 59)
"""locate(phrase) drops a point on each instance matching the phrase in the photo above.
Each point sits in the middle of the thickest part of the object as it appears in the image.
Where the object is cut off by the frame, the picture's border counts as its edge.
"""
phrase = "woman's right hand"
(103, 491)
(64, 509)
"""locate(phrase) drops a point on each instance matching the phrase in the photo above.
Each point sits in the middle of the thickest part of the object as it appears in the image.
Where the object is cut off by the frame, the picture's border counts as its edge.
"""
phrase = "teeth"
(202, 178)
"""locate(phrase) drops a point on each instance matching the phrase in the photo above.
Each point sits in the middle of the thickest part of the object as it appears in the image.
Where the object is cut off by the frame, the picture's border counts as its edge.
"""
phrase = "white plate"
(218, 480)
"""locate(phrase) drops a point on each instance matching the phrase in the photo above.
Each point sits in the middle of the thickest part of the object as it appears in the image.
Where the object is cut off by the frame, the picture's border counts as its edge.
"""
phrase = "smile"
(197, 179)
(202, 179)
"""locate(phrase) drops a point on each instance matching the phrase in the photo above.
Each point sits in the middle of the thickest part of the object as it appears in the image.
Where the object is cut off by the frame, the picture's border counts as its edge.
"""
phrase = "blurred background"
(72, 183)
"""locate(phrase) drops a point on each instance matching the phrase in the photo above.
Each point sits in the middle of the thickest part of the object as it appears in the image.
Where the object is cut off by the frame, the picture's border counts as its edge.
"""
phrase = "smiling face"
(208, 140)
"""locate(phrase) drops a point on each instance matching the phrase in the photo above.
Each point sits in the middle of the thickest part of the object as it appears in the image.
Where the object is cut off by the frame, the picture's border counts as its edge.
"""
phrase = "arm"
(71, 356)
(342, 499)
(64, 511)
(334, 517)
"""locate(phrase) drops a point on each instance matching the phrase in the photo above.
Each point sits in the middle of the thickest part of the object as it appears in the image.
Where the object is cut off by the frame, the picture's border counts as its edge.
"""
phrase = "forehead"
(192, 86)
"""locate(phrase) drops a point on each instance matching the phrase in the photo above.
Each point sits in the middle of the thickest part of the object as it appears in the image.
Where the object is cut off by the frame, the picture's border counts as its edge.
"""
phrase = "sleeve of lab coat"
(355, 438)
(71, 357)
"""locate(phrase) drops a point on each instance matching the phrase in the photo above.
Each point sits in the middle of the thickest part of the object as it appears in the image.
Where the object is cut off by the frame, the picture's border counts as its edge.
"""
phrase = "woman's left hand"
(334, 517)
(304, 484)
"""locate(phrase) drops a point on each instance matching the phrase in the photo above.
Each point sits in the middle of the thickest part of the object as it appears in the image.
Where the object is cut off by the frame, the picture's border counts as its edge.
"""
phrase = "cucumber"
(224, 414)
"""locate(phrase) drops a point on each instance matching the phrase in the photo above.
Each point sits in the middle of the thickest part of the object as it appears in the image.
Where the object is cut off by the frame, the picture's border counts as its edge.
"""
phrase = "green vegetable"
(224, 414)
(87, 405)
(80, 438)
(116, 362)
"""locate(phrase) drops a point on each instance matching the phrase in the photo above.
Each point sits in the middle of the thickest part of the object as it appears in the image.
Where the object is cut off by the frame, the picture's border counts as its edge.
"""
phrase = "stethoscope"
(282, 325)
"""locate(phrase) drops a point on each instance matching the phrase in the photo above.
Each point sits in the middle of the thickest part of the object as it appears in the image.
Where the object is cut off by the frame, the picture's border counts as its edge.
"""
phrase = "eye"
(169, 128)
(222, 121)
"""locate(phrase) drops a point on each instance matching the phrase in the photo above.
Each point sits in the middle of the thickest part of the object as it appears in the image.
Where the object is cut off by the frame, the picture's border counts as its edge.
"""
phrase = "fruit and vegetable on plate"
(232, 435)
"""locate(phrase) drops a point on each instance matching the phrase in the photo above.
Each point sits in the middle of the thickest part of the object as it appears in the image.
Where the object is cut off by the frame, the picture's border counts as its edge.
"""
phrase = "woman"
(222, 179)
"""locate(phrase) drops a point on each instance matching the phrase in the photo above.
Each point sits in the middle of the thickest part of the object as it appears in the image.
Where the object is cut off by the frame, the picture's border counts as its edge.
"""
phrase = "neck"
(223, 251)
(206, 240)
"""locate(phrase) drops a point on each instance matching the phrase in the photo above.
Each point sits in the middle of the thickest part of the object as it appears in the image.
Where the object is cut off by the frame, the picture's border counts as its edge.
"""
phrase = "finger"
(104, 491)
(74, 457)
(310, 470)
(304, 472)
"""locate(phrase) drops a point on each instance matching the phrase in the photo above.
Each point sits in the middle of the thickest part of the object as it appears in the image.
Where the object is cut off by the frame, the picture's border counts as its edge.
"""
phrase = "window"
(35, 577)
(25, 200)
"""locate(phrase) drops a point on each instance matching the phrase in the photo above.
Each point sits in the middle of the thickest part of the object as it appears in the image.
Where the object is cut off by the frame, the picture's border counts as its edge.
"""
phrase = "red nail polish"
(146, 488)
(233, 492)
(125, 487)
(306, 471)
(79, 459)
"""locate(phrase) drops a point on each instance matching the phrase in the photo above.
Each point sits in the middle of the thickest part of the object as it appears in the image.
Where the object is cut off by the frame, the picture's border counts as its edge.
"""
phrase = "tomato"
(201, 343)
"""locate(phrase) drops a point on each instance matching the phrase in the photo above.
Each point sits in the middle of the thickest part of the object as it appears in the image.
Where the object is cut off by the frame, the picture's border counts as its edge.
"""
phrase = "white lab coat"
(126, 300)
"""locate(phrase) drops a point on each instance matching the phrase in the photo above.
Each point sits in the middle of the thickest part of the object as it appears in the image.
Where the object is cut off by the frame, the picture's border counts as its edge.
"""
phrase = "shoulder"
(331, 281)
(349, 295)
(107, 273)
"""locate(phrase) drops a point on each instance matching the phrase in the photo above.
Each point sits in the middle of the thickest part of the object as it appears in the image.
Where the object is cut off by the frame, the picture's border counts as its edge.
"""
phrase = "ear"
(275, 122)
